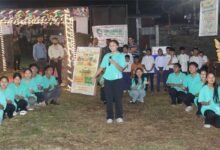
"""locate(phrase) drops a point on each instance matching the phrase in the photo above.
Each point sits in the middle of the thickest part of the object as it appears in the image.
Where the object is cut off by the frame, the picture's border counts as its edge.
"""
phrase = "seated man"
(50, 86)
(190, 86)
(175, 83)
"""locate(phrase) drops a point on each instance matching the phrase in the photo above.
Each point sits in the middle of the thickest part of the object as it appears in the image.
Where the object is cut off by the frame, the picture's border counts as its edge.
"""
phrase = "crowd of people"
(27, 91)
(185, 78)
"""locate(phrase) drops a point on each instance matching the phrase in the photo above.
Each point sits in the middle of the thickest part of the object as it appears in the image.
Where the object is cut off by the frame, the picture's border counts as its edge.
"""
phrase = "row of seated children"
(24, 94)
(196, 88)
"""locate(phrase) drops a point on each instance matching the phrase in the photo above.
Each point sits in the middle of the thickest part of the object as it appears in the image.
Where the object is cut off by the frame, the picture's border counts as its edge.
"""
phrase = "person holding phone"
(114, 64)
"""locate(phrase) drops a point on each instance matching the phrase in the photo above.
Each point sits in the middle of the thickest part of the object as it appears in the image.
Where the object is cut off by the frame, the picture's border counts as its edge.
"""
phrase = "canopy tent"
(59, 16)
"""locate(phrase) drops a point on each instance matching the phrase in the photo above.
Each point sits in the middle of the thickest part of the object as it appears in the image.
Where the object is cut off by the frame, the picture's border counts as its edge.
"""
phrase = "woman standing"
(114, 64)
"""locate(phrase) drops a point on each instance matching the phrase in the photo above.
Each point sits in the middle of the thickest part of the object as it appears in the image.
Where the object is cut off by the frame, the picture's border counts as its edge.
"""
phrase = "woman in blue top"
(209, 98)
(20, 92)
(114, 64)
(9, 95)
(138, 86)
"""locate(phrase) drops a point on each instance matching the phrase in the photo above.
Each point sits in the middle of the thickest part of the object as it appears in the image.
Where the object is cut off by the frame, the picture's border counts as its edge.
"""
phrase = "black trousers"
(150, 77)
(58, 66)
(175, 96)
(102, 94)
(10, 108)
(21, 105)
(212, 118)
(199, 106)
(17, 62)
(40, 97)
(187, 98)
(113, 93)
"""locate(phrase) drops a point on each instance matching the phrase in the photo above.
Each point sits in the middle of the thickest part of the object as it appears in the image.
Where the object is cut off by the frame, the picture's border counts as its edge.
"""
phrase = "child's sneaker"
(30, 109)
(23, 112)
(188, 109)
(14, 114)
(119, 120)
(207, 126)
(109, 121)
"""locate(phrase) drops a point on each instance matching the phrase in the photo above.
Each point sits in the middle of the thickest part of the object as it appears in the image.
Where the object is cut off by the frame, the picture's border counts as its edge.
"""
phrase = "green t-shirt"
(174, 78)
(29, 85)
(140, 86)
(111, 72)
(38, 80)
(3, 100)
(9, 95)
(20, 90)
(49, 82)
(190, 83)
(205, 95)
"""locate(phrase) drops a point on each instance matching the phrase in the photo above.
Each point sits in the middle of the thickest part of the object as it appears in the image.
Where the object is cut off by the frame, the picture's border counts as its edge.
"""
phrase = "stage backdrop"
(117, 32)
(86, 64)
(208, 25)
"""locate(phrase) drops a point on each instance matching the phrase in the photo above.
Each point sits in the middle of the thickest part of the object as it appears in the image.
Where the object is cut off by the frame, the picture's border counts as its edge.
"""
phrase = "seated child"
(9, 95)
(50, 86)
(138, 85)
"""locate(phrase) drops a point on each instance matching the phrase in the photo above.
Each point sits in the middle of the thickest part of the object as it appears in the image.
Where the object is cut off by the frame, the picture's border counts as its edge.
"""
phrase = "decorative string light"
(4, 65)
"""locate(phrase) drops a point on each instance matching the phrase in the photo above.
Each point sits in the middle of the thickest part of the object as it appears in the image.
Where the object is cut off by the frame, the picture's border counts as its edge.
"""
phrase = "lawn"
(79, 124)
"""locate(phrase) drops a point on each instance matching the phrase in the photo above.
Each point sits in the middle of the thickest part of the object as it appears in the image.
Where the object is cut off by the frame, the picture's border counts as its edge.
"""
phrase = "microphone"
(109, 59)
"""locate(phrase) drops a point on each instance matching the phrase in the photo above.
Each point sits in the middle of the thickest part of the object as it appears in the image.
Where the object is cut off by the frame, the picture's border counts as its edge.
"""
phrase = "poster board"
(116, 32)
(86, 65)
(208, 25)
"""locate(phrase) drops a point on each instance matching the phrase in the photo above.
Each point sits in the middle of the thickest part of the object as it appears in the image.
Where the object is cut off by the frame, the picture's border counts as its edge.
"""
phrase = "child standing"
(139, 82)
(127, 74)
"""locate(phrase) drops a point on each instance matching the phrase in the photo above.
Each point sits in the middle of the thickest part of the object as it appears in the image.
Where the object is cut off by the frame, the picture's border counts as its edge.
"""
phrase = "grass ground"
(79, 124)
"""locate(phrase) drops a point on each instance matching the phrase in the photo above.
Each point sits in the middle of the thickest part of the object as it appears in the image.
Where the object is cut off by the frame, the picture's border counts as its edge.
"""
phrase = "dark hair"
(136, 77)
(215, 93)
(34, 65)
(148, 49)
(17, 74)
(27, 69)
(4, 77)
(47, 67)
(136, 57)
(114, 41)
(178, 65)
(195, 48)
(193, 64)
(127, 56)
(172, 49)
(55, 38)
(182, 48)
(125, 46)
(201, 52)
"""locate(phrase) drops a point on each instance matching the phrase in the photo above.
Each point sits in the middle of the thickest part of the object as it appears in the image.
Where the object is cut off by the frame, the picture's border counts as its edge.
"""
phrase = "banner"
(116, 32)
(208, 25)
(86, 64)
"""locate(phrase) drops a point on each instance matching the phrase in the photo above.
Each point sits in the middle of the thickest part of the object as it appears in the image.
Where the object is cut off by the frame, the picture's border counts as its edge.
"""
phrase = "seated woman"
(51, 87)
(209, 98)
(9, 95)
(138, 85)
(38, 84)
(2, 106)
(20, 93)
(199, 85)
(175, 83)
(29, 84)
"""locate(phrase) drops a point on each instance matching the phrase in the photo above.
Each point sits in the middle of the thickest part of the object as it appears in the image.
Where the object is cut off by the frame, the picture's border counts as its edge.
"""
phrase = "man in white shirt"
(56, 54)
(196, 58)
(148, 65)
(127, 74)
(173, 60)
(160, 64)
(183, 59)
(204, 60)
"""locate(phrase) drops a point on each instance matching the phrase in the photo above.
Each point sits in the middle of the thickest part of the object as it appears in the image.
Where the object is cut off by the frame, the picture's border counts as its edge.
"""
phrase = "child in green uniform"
(209, 98)
(20, 92)
(113, 63)
(2, 106)
(174, 83)
(9, 95)
(138, 86)
(38, 84)
(50, 86)
(199, 85)
(189, 86)
(30, 87)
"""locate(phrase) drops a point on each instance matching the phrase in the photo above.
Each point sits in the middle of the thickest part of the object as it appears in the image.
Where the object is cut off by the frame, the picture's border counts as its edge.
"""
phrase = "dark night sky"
(147, 7)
